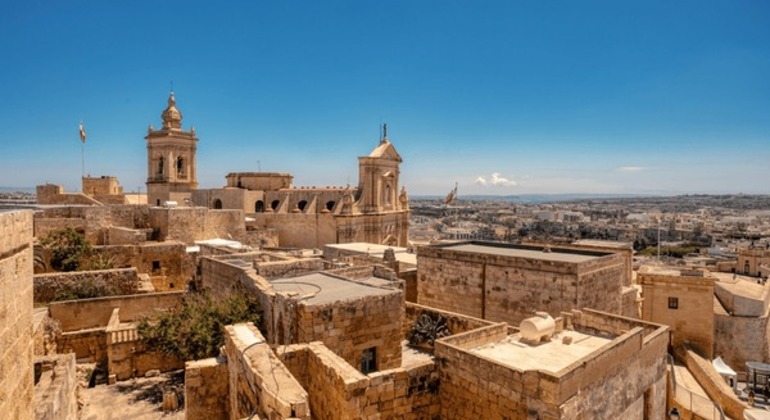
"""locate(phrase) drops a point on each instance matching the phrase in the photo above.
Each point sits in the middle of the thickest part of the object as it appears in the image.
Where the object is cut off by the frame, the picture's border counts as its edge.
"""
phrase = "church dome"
(172, 118)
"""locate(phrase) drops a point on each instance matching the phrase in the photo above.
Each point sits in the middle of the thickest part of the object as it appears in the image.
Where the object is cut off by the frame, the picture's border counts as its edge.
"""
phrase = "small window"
(302, 204)
(217, 204)
(274, 204)
(330, 205)
(155, 265)
(259, 207)
(673, 303)
(369, 360)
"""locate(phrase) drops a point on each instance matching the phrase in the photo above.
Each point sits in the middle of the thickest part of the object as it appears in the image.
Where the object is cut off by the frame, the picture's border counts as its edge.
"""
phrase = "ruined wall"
(206, 389)
(259, 383)
(56, 388)
(339, 391)
(16, 335)
(117, 235)
(224, 224)
(82, 314)
(85, 344)
(170, 267)
(93, 221)
(59, 286)
(349, 327)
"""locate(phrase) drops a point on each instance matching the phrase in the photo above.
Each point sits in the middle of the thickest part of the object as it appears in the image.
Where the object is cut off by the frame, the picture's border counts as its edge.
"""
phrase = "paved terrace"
(320, 288)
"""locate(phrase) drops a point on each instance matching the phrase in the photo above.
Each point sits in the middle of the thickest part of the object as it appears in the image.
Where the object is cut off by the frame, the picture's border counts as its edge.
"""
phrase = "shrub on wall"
(67, 247)
(195, 329)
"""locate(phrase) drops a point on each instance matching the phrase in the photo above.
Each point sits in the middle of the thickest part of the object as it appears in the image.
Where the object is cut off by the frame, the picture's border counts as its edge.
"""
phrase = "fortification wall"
(753, 334)
(16, 331)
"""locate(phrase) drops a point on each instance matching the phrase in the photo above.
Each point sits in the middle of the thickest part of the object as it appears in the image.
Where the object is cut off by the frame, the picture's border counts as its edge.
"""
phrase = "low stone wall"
(714, 384)
(206, 389)
(290, 268)
(61, 286)
(88, 344)
(82, 314)
(259, 383)
(56, 387)
(126, 236)
(339, 391)
(457, 323)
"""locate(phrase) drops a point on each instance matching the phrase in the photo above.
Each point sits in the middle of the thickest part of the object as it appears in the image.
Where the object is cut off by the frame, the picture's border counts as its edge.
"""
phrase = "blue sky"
(502, 97)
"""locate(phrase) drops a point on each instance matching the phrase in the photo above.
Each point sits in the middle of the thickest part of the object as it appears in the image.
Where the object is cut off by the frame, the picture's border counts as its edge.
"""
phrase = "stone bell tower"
(171, 167)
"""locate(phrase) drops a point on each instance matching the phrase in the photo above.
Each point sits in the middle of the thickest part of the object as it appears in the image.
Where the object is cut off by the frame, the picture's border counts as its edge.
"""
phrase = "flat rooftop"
(321, 288)
(377, 250)
(528, 252)
(551, 356)
(743, 286)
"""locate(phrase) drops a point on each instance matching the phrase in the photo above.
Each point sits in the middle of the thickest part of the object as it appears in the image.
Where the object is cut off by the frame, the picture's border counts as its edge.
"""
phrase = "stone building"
(16, 334)
(594, 365)
(684, 300)
(753, 262)
(171, 166)
(505, 282)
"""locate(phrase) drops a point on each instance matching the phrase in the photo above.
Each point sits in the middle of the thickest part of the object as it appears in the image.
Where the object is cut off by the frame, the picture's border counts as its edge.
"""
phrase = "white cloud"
(495, 180)
(631, 169)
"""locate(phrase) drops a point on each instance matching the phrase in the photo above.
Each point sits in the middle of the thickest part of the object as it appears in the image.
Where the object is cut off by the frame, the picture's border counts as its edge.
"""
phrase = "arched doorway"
(218, 204)
(259, 207)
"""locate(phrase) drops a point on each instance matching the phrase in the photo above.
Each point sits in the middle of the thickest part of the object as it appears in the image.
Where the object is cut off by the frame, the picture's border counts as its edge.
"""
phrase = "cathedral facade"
(375, 211)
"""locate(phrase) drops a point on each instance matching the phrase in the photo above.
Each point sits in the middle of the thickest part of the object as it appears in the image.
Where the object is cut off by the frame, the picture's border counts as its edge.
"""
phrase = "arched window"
(330, 205)
(274, 205)
(161, 161)
(217, 204)
(259, 206)
(180, 166)
(301, 205)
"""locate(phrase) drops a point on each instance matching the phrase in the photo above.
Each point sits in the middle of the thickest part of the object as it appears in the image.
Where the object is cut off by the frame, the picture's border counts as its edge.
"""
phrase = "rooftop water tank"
(534, 329)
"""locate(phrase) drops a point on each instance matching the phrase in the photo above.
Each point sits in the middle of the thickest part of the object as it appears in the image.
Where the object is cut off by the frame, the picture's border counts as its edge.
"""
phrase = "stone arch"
(330, 205)
(161, 164)
(217, 204)
(274, 205)
(302, 204)
(259, 206)
(180, 166)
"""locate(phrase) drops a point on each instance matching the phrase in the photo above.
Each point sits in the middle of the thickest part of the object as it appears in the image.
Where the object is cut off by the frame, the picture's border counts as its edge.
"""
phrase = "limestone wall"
(339, 391)
(16, 334)
(457, 323)
(741, 339)
(88, 344)
(82, 314)
(93, 221)
(714, 384)
(56, 388)
(692, 320)
(510, 289)
(350, 327)
(478, 387)
(206, 389)
(288, 268)
(169, 266)
(259, 383)
(299, 230)
(55, 286)
(118, 235)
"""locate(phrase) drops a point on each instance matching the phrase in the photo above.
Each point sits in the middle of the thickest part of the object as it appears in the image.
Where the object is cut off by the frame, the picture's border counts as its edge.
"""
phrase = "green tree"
(195, 329)
(67, 248)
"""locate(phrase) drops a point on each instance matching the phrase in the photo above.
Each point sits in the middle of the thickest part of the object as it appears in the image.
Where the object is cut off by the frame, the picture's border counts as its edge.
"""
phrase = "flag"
(82, 132)
(451, 196)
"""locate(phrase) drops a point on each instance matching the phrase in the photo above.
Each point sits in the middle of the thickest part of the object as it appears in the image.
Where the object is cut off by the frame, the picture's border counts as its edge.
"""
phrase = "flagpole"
(82, 160)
